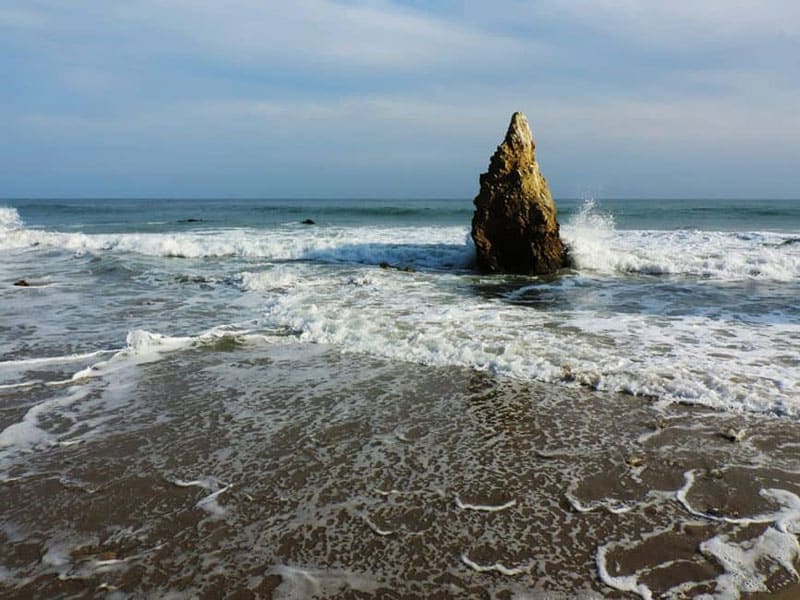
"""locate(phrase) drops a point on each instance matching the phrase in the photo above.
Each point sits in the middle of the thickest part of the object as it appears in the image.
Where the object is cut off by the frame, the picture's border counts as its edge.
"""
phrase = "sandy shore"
(294, 471)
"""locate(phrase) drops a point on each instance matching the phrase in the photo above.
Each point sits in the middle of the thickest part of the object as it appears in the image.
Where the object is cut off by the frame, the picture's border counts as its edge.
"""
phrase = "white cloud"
(682, 23)
(316, 33)
(371, 83)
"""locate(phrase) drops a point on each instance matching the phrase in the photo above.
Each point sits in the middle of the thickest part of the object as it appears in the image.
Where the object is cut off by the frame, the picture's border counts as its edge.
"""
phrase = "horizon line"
(382, 198)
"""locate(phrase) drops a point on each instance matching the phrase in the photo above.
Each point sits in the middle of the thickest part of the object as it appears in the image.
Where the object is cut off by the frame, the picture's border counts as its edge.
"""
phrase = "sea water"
(690, 301)
(671, 302)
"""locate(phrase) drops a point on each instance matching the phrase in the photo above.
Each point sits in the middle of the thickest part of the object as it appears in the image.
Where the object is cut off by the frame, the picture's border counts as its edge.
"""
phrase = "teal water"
(663, 294)
(107, 216)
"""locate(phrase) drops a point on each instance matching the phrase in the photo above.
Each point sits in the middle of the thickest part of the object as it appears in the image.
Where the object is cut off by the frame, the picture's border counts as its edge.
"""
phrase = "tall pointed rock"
(514, 226)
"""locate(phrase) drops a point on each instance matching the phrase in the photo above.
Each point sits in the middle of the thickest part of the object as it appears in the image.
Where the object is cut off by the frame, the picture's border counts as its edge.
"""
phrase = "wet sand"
(295, 471)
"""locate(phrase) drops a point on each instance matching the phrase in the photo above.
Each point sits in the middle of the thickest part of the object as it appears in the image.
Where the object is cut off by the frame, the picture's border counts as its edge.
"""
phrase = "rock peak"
(514, 227)
(519, 132)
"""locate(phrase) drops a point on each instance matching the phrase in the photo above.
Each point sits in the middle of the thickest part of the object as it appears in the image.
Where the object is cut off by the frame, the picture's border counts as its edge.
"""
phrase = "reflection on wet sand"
(291, 471)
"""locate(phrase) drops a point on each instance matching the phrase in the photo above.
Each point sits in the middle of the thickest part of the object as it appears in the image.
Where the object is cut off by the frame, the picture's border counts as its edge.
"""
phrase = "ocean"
(215, 398)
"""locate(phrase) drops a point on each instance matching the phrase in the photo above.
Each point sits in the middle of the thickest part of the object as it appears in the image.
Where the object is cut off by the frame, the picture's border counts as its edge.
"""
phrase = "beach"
(217, 408)
(296, 471)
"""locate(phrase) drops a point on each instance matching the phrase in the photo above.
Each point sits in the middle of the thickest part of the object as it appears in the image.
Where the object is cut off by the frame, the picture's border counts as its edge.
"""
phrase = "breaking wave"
(9, 218)
(424, 247)
(598, 247)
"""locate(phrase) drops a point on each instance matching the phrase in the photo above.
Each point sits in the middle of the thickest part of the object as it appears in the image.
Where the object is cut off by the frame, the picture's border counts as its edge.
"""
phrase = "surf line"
(484, 507)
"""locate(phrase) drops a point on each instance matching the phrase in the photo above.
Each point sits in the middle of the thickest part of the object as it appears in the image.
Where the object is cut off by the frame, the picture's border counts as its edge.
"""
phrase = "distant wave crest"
(418, 247)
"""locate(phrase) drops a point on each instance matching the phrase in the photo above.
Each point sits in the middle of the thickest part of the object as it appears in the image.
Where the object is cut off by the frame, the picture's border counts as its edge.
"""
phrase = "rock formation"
(514, 226)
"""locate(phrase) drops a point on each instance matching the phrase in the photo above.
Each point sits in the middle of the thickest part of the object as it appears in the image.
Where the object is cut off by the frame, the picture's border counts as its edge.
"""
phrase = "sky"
(397, 98)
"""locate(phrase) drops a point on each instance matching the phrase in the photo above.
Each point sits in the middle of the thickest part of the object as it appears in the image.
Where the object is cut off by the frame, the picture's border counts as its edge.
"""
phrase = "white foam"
(375, 529)
(14, 372)
(277, 278)
(9, 218)
(298, 582)
(747, 564)
(57, 556)
(496, 567)
(615, 507)
(744, 562)
(787, 518)
(598, 247)
(420, 247)
(484, 507)
(52, 360)
(144, 346)
(623, 583)
(141, 347)
(209, 503)
(26, 434)
(447, 320)
(431, 319)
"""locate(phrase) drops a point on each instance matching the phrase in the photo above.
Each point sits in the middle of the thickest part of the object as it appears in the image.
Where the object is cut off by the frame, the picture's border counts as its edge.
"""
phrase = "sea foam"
(420, 247)
(432, 319)
(597, 246)
(746, 564)
(9, 218)
(602, 325)
(141, 347)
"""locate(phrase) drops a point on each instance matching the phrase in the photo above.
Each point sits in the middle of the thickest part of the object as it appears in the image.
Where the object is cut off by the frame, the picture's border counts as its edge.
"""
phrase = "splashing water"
(9, 218)
(599, 248)
(590, 234)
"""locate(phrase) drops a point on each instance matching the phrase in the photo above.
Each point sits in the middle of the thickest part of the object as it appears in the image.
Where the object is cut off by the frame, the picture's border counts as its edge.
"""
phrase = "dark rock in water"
(22, 283)
(190, 221)
(308, 222)
(514, 226)
(386, 265)
(191, 279)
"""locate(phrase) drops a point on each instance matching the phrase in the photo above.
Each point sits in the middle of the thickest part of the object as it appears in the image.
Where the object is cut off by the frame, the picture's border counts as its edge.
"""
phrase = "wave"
(9, 218)
(598, 247)
(422, 247)
(445, 320)
(141, 347)
(53, 360)
(21, 373)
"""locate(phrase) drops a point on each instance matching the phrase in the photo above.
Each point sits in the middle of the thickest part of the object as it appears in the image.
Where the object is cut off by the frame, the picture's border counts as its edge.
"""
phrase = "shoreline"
(296, 469)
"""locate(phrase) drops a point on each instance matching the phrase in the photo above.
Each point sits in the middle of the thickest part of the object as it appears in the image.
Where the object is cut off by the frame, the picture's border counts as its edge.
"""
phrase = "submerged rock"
(386, 265)
(514, 226)
(307, 222)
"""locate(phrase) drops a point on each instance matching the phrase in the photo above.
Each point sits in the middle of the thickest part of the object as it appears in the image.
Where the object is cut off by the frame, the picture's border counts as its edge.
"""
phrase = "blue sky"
(404, 98)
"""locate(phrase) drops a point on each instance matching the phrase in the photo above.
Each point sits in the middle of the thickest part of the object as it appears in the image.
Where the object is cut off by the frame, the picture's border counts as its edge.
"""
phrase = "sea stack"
(514, 226)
